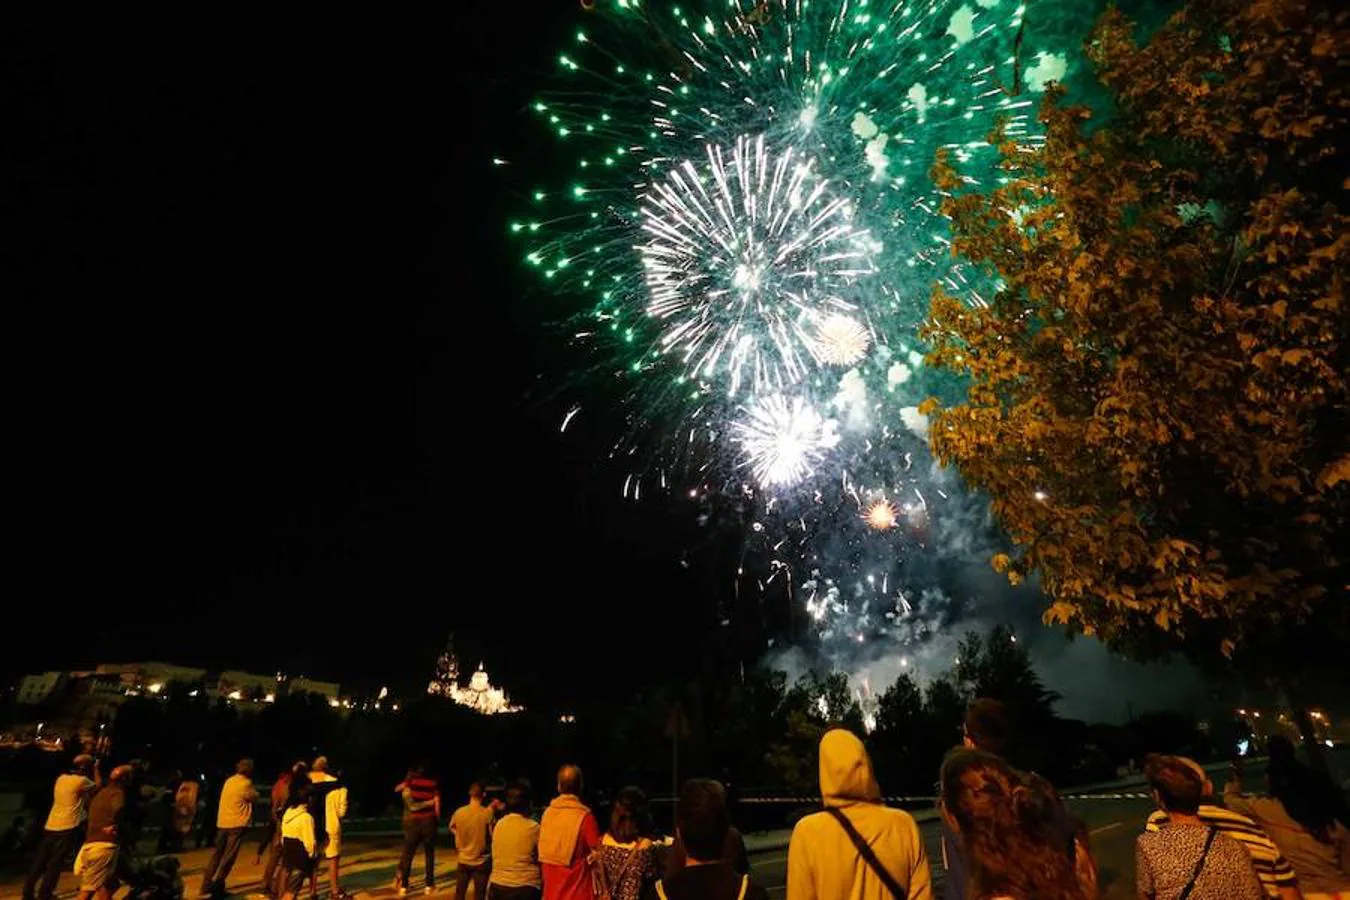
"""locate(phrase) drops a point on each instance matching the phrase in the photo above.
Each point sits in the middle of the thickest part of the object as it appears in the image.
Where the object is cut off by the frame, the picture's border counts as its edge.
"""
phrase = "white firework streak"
(743, 271)
(783, 439)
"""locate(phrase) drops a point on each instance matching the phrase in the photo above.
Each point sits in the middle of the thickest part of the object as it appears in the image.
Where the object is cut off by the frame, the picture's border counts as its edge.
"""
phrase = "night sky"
(282, 397)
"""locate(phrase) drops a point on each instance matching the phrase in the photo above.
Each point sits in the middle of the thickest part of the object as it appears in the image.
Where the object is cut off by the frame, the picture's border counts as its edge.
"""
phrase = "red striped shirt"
(422, 790)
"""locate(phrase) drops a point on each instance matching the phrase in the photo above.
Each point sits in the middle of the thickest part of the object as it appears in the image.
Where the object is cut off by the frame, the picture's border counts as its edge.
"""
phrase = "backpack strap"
(868, 855)
(661, 891)
(745, 886)
(1199, 866)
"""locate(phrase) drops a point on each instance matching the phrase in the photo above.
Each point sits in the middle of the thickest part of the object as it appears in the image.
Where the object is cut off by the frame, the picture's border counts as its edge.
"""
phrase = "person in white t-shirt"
(70, 807)
(328, 805)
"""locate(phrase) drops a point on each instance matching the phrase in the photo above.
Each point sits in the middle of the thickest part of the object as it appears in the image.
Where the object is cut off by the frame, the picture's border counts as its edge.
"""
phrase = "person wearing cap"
(328, 806)
(70, 802)
(1272, 869)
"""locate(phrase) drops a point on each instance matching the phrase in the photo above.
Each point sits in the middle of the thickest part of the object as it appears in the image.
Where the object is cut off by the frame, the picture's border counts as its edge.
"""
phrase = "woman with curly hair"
(1007, 824)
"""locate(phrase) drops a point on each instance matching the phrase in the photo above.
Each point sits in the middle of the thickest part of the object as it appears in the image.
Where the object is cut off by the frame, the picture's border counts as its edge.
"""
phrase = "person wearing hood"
(568, 835)
(856, 848)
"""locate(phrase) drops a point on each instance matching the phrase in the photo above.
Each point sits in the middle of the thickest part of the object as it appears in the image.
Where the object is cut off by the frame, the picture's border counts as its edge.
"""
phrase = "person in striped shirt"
(1277, 876)
(421, 813)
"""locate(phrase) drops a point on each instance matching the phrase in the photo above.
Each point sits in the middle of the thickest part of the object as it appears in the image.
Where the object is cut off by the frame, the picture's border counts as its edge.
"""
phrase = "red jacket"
(571, 881)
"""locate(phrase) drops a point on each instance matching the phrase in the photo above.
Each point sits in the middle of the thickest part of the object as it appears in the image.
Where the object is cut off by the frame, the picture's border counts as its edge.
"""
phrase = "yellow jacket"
(823, 864)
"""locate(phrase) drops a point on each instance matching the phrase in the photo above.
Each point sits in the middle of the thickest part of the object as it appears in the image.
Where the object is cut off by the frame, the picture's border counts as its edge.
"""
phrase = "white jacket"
(297, 823)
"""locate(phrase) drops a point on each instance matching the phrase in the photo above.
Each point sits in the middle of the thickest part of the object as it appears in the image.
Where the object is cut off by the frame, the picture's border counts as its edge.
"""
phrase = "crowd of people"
(1005, 835)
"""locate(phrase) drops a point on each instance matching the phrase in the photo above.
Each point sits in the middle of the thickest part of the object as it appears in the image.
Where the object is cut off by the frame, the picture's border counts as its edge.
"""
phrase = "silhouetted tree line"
(757, 732)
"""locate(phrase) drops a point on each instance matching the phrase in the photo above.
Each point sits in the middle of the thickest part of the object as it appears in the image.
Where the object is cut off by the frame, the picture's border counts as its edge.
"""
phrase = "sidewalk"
(367, 871)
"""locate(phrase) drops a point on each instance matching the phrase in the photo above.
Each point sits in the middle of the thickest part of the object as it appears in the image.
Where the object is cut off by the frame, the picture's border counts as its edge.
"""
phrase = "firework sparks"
(841, 341)
(881, 515)
(742, 256)
(747, 206)
(783, 439)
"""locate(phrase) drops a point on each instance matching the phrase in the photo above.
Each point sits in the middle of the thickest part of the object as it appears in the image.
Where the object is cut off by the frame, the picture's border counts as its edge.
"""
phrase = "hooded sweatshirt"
(823, 864)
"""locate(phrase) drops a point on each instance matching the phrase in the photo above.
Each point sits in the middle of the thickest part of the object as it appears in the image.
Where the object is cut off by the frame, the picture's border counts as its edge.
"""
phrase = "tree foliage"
(1157, 392)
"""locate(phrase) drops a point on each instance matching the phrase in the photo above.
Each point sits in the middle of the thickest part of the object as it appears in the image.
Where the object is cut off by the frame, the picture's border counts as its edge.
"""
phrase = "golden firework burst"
(881, 515)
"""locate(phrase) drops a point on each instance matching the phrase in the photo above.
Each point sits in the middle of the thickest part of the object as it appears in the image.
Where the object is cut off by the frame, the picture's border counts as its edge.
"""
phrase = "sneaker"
(402, 891)
(429, 889)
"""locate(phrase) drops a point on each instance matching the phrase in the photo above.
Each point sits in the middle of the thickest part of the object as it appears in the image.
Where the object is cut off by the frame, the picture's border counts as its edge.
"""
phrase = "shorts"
(96, 864)
(332, 848)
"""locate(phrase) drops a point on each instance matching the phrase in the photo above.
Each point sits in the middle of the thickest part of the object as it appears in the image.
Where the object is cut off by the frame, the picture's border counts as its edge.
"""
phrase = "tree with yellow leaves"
(1157, 395)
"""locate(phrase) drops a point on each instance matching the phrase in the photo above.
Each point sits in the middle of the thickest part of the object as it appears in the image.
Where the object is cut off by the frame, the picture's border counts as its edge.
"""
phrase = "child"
(298, 846)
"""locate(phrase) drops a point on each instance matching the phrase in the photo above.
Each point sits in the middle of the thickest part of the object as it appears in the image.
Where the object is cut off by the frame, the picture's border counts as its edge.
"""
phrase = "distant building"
(300, 686)
(150, 677)
(481, 696)
(233, 685)
(35, 689)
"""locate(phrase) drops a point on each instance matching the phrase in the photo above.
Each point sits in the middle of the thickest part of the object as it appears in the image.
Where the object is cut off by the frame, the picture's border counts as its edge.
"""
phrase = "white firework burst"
(783, 439)
(842, 341)
(745, 259)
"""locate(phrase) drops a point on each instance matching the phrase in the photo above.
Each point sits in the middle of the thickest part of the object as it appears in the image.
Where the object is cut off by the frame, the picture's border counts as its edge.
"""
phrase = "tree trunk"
(1293, 693)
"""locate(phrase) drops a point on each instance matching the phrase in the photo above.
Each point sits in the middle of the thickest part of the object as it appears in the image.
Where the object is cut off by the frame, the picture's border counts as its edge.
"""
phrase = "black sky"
(276, 381)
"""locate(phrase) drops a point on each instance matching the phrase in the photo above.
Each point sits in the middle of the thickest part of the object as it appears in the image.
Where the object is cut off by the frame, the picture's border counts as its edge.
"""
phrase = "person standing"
(184, 812)
(1274, 871)
(286, 784)
(328, 806)
(299, 846)
(989, 728)
(515, 849)
(701, 829)
(733, 853)
(856, 849)
(70, 802)
(470, 825)
(1006, 826)
(421, 813)
(232, 820)
(568, 835)
(625, 864)
(106, 831)
(1187, 858)
(1302, 815)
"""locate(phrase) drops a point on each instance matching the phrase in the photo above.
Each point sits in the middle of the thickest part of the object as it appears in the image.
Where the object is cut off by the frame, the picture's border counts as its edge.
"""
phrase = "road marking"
(1106, 828)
